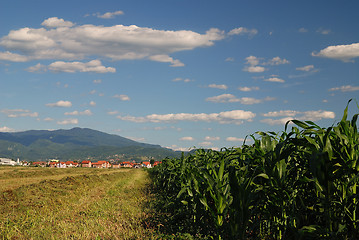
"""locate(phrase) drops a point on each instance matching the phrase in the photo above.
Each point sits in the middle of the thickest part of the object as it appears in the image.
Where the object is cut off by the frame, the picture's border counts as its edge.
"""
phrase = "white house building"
(9, 162)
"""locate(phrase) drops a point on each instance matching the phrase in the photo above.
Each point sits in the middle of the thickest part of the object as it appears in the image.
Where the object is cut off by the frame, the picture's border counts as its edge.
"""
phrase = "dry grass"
(73, 204)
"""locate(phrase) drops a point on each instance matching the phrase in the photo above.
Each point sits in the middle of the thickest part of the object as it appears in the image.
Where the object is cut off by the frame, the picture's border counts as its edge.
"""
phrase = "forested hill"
(74, 143)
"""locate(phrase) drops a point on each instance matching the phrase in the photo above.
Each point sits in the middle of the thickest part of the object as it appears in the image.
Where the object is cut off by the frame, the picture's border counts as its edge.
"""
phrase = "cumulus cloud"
(276, 61)
(254, 69)
(112, 112)
(248, 89)
(77, 113)
(281, 113)
(205, 144)
(274, 79)
(94, 66)
(306, 68)
(287, 115)
(182, 80)
(62, 40)
(48, 119)
(55, 22)
(219, 86)
(229, 117)
(209, 138)
(229, 59)
(302, 30)
(255, 64)
(168, 59)
(230, 98)
(13, 57)
(243, 31)
(14, 113)
(60, 103)
(234, 139)
(109, 15)
(72, 121)
(346, 88)
(6, 129)
(122, 97)
(186, 139)
(92, 103)
(324, 31)
(253, 61)
(72, 67)
(340, 52)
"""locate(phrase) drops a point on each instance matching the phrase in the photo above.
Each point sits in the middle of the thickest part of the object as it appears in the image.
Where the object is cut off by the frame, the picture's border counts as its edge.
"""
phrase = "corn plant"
(297, 184)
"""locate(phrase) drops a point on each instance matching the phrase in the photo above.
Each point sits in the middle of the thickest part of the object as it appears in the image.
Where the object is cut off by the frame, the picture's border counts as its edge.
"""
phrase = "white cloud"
(252, 60)
(340, 52)
(72, 121)
(6, 129)
(243, 31)
(177, 148)
(274, 79)
(92, 103)
(13, 57)
(77, 113)
(255, 62)
(209, 138)
(48, 119)
(109, 14)
(72, 67)
(234, 139)
(281, 113)
(346, 88)
(281, 121)
(303, 30)
(290, 115)
(186, 139)
(182, 80)
(254, 69)
(306, 68)
(97, 81)
(37, 68)
(276, 61)
(234, 117)
(122, 97)
(14, 113)
(219, 86)
(248, 89)
(166, 58)
(230, 98)
(112, 112)
(205, 144)
(60, 103)
(324, 31)
(55, 22)
(229, 59)
(116, 42)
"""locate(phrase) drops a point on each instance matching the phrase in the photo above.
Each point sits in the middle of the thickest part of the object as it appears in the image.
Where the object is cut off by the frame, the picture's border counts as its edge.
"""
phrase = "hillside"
(76, 143)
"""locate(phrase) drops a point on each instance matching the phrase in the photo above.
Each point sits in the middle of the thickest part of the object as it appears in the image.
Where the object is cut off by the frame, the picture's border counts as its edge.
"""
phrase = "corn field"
(298, 184)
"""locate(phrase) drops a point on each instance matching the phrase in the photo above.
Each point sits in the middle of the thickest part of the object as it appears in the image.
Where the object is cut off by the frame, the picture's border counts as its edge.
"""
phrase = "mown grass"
(74, 204)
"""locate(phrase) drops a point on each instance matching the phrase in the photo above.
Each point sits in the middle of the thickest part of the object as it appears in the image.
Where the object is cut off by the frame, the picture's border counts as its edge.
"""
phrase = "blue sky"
(181, 74)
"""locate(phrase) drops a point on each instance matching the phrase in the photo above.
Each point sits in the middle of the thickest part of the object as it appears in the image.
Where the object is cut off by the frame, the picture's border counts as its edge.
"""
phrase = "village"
(54, 163)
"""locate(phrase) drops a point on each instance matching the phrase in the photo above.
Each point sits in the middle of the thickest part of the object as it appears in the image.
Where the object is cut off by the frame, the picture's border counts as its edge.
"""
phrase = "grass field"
(77, 203)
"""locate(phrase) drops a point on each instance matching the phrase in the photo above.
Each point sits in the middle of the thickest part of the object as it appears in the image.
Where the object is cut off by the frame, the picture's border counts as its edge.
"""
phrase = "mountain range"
(76, 143)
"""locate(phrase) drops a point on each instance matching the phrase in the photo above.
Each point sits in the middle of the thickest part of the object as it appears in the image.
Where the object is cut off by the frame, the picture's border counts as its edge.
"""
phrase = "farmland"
(78, 203)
